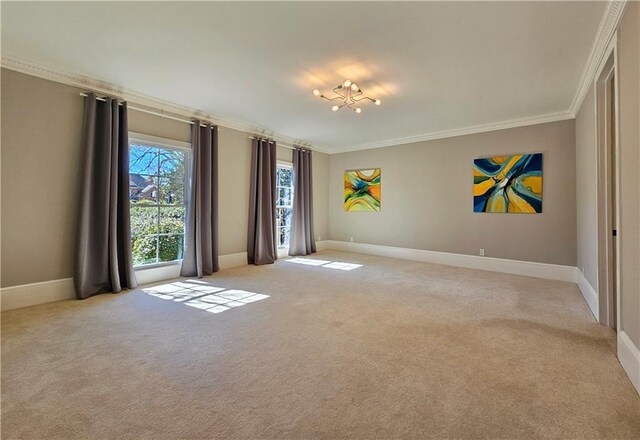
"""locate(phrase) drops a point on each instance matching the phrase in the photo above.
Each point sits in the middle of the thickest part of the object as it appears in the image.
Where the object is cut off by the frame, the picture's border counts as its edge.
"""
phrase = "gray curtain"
(201, 239)
(103, 261)
(261, 240)
(302, 241)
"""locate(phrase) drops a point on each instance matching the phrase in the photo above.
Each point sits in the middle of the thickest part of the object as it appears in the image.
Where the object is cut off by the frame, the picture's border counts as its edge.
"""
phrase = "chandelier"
(349, 95)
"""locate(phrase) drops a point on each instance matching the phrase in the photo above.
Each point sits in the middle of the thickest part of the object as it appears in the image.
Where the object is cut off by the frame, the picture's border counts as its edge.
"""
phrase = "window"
(157, 182)
(284, 203)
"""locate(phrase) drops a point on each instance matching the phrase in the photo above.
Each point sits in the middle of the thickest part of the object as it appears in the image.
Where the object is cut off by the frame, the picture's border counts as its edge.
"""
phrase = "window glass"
(284, 204)
(157, 177)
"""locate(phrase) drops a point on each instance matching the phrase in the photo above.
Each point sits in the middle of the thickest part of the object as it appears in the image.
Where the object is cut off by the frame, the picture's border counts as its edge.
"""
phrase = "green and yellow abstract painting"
(511, 184)
(362, 190)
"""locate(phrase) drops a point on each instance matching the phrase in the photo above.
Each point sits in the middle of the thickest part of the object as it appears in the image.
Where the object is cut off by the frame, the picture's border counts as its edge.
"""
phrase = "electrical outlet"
(351, 239)
(319, 237)
(482, 252)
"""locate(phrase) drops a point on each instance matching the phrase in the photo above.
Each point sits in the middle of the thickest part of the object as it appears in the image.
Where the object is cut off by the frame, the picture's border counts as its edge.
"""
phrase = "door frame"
(608, 67)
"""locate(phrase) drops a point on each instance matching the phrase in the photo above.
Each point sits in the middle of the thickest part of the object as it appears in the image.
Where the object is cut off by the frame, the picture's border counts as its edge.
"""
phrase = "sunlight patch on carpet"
(324, 263)
(308, 261)
(203, 296)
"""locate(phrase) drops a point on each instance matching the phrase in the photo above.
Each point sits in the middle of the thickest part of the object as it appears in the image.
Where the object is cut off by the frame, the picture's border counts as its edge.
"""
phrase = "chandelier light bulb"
(346, 94)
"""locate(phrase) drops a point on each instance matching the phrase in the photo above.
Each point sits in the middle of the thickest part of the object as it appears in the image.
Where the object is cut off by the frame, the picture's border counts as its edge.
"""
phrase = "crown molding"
(473, 129)
(85, 83)
(606, 30)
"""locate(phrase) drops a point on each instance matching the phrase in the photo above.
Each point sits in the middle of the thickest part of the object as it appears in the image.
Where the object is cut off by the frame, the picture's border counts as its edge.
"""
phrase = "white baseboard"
(629, 356)
(232, 260)
(589, 294)
(516, 267)
(284, 252)
(25, 295)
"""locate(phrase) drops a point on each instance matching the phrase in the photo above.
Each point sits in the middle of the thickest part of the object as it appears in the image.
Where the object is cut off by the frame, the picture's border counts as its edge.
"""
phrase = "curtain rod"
(188, 121)
(153, 112)
(290, 147)
(271, 141)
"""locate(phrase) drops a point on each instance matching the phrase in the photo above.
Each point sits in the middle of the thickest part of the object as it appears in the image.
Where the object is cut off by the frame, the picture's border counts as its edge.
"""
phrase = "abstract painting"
(362, 190)
(510, 184)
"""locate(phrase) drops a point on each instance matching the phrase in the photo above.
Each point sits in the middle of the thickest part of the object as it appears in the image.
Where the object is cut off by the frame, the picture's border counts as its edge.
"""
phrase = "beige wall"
(586, 164)
(41, 129)
(321, 195)
(145, 123)
(427, 198)
(587, 191)
(629, 93)
(234, 168)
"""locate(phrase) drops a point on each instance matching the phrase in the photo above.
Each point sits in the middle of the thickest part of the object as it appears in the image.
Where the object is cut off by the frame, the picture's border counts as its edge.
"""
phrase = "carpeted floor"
(391, 349)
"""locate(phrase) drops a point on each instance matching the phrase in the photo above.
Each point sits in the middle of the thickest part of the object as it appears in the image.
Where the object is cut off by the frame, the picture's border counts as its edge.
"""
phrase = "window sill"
(150, 273)
(157, 265)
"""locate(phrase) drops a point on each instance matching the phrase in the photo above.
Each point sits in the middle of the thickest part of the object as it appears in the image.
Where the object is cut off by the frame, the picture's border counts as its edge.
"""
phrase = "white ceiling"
(436, 66)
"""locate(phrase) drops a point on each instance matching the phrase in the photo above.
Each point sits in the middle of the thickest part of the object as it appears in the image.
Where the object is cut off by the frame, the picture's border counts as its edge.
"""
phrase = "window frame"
(287, 165)
(146, 140)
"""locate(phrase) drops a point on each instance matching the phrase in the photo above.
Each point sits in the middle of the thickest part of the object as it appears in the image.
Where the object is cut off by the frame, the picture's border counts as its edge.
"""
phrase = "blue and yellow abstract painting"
(362, 190)
(510, 184)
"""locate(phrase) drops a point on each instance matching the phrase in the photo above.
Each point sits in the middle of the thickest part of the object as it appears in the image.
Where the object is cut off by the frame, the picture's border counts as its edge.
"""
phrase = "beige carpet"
(392, 349)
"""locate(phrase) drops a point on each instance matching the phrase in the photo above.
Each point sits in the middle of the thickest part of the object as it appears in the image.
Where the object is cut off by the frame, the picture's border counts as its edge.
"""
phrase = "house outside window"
(284, 203)
(158, 174)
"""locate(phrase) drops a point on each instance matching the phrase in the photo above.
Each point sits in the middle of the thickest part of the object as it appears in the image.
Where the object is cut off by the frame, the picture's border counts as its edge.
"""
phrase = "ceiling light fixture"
(350, 94)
